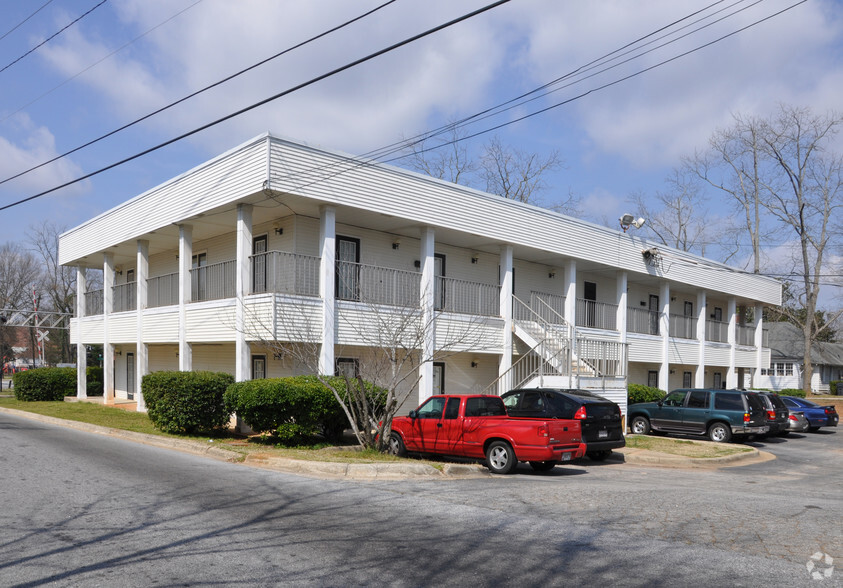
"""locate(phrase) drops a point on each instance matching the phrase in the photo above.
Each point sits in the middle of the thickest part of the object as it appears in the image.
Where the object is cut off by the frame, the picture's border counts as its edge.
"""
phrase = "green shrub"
(834, 387)
(293, 408)
(93, 381)
(45, 384)
(639, 393)
(186, 402)
(798, 392)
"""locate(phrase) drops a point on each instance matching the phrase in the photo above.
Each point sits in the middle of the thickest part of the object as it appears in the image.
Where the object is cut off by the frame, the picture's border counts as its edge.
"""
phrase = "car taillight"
(829, 411)
(580, 414)
(792, 417)
(746, 417)
(771, 414)
(542, 430)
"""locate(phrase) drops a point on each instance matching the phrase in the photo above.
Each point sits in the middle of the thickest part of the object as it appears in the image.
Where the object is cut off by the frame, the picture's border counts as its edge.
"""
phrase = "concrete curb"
(633, 455)
(377, 471)
(360, 471)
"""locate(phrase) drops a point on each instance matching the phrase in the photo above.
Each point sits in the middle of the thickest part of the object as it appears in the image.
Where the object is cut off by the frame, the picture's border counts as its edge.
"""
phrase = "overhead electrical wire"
(96, 63)
(53, 36)
(197, 92)
(384, 156)
(493, 111)
(14, 28)
(295, 88)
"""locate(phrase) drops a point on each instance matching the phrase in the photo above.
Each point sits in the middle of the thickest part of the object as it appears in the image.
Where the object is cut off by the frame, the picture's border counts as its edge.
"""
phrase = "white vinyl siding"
(220, 181)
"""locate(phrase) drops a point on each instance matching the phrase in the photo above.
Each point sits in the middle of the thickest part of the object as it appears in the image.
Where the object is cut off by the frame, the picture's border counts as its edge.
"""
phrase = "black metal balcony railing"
(214, 281)
(93, 302)
(597, 315)
(163, 290)
(285, 273)
(641, 320)
(683, 327)
(124, 297)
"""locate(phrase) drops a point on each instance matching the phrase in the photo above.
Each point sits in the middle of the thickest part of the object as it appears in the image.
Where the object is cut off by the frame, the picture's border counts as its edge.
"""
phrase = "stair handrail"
(543, 322)
(524, 358)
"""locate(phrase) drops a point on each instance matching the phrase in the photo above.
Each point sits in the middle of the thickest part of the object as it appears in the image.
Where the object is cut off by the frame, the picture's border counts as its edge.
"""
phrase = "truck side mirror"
(413, 414)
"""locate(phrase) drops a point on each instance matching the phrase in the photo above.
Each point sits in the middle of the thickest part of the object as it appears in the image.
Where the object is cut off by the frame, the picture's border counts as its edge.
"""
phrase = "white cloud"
(35, 145)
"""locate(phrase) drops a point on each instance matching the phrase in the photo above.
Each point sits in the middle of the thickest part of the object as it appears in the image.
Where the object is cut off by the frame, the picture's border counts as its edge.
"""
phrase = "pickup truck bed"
(477, 426)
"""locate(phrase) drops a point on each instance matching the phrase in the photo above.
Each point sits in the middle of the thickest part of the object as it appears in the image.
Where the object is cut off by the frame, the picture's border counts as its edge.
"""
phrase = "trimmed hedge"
(93, 380)
(186, 402)
(294, 409)
(798, 392)
(45, 384)
(639, 393)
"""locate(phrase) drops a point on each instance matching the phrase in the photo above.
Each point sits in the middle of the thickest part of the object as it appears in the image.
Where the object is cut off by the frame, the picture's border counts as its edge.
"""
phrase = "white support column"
(107, 347)
(327, 287)
(141, 350)
(732, 372)
(185, 263)
(621, 299)
(759, 344)
(699, 377)
(664, 329)
(428, 285)
(243, 365)
(81, 352)
(571, 292)
(506, 312)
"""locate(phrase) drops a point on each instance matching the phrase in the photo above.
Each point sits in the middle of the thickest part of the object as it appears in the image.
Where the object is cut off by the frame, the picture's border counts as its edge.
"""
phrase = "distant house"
(787, 350)
(281, 241)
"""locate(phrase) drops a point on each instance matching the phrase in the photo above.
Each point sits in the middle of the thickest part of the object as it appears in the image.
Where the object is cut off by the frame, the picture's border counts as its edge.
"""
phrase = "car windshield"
(805, 402)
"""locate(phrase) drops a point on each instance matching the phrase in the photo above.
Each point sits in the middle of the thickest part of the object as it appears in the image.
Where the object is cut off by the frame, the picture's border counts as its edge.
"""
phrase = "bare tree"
(804, 195)
(676, 217)
(735, 165)
(57, 282)
(499, 169)
(444, 157)
(389, 328)
(19, 273)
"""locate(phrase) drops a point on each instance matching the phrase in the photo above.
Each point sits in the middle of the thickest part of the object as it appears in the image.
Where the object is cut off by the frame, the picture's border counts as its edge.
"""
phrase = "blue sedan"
(818, 416)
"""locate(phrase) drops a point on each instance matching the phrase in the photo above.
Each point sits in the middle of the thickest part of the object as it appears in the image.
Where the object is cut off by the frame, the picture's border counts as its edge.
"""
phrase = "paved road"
(83, 509)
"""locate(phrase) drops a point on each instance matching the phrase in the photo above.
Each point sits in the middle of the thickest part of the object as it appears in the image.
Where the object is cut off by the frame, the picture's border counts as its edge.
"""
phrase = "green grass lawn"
(116, 418)
(139, 422)
(683, 447)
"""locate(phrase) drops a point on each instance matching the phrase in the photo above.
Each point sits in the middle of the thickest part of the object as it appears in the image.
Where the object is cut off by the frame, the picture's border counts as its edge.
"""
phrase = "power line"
(14, 28)
(197, 92)
(382, 155)
(96, 63)
(383, 152)
(53, 36)
(266, 100)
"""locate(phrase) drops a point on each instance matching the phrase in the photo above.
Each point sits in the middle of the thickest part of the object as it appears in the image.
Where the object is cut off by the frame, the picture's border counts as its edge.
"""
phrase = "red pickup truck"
(478, 426)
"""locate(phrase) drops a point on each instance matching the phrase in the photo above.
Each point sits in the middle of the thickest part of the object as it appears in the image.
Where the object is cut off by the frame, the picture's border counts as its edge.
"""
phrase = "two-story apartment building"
(277, 243)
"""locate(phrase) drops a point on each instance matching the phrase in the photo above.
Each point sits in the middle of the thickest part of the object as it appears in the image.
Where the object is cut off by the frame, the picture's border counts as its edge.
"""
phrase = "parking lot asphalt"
(381, 471)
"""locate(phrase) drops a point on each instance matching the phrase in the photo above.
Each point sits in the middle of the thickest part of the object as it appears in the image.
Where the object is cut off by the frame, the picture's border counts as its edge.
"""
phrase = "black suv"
(777, 412)
(600, 418)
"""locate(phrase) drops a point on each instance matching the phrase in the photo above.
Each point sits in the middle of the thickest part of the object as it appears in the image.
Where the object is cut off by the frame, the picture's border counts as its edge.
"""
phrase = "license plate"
(602, 434)
(566, 457)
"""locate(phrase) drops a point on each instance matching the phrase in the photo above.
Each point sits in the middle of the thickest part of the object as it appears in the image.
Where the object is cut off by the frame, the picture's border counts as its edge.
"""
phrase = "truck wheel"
(640, 425)
(720, 432)
(395, 446)
(500, 458)
(542, 466)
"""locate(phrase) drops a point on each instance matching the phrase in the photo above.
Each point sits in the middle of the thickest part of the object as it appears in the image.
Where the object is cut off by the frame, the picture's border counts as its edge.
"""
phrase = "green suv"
(719, 414)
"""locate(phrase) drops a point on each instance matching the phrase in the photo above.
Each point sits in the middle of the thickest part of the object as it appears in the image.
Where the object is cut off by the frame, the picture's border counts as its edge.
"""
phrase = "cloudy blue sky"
(127, 58)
